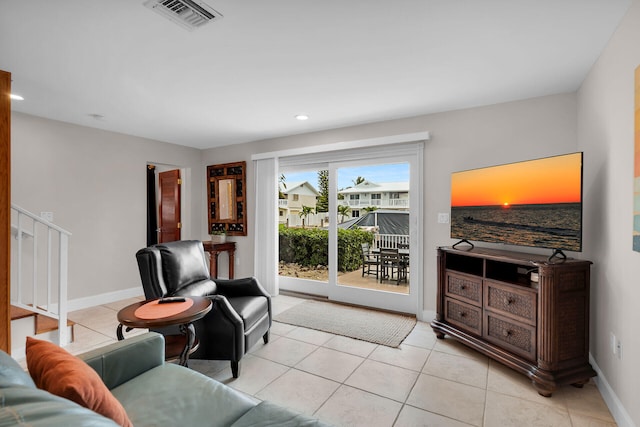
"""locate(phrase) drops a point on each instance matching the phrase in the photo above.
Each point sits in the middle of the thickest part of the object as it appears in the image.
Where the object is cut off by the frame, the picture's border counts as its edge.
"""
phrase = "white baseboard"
(106, 298)
(622, 417)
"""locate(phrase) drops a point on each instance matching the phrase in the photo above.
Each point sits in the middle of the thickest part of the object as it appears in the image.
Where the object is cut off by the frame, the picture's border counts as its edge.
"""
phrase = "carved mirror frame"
(226, 198)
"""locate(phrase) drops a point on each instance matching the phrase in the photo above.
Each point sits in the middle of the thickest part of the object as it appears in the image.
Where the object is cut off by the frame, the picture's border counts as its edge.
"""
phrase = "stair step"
(43, 323)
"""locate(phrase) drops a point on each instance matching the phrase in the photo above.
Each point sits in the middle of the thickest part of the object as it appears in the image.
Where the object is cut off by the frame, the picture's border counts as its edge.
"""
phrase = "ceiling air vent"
(189, 14)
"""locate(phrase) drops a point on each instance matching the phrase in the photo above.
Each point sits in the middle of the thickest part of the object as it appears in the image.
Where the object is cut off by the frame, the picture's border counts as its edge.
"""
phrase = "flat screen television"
(535, 203)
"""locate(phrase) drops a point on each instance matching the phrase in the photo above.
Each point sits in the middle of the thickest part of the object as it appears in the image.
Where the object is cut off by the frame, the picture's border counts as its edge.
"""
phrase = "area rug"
(378, 327)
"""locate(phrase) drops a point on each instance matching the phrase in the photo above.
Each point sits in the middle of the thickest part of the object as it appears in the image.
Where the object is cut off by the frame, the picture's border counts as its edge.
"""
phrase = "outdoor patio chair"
(392, 265)
(369, 260)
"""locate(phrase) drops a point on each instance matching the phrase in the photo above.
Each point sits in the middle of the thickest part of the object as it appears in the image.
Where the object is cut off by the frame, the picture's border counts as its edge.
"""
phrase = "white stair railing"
(42, 288)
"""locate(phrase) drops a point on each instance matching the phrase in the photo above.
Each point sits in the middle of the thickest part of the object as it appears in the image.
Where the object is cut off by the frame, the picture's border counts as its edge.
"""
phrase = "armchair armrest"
(245, 287)
(121, 361)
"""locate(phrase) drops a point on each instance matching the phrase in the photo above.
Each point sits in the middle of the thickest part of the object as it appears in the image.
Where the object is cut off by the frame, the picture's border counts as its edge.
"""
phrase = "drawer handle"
(463, 287)
(508, 301)
(463, 314)
(507, 333)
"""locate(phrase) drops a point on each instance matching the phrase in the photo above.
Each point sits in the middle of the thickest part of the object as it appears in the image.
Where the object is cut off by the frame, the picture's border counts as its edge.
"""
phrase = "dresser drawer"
(463, 315)
(518, 304)
(517, 337)
(465, 287)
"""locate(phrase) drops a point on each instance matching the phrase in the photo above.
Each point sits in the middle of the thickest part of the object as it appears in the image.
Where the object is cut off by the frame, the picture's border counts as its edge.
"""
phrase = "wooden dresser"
(487, 300)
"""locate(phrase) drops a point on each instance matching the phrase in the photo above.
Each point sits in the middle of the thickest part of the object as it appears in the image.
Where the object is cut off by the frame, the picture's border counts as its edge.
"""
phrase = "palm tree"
(282, 184)
(343, 210)
(370, 208)
(358, 180)
(306, 210)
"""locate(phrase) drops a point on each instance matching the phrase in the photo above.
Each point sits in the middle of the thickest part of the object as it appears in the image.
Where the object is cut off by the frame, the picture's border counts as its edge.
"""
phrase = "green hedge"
(309, 247)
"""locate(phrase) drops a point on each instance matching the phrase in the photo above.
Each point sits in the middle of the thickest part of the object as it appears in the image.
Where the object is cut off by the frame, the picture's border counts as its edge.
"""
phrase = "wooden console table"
(214, 250)
(488, 301)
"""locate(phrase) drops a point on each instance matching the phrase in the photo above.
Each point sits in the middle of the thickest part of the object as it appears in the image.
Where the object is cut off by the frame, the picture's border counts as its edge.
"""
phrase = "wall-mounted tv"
(536, 203)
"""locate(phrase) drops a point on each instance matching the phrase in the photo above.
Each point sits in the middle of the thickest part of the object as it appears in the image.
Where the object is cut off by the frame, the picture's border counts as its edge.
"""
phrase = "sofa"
(152, 392)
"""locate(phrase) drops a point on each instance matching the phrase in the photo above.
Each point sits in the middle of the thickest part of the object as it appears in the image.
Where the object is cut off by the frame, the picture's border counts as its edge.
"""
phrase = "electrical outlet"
(443, 218)
(614, 343)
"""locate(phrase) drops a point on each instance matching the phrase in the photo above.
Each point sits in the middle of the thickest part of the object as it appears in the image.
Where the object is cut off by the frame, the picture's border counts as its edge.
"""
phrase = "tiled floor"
(347, 382)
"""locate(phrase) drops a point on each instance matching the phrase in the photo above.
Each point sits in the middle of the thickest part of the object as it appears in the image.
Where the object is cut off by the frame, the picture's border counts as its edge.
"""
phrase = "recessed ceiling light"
(302, 117)
(16, 97)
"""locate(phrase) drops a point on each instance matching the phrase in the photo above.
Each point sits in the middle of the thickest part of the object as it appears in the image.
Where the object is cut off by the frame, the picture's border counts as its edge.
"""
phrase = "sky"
(550, 180)
(398, 172)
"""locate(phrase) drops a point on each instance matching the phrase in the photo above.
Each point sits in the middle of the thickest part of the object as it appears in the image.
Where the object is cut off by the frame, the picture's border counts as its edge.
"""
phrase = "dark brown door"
(169, 224)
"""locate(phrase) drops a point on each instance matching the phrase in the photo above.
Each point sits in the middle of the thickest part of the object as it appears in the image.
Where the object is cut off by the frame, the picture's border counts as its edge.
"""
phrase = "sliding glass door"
(348, 231)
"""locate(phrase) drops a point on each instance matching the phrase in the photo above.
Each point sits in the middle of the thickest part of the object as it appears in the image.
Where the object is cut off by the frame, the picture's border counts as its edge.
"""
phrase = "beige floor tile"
(585, 401)
(507, 411)
(505, 380)
(354, 408)
(405, 356)
(286, 351)
(257, 346)
(457, 368)
(86, 339)
(382, 379)
(255, 374)
(331, 364)
(451, 399)
(300, 391)
(414, 417)
(310, 336)
(421, 337)
(584, 421)
(278, 328)
(119, 305)
(451, 346)
(351, 346)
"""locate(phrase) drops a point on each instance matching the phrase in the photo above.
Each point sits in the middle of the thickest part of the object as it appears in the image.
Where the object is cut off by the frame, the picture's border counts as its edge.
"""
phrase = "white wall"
(460, 140)
(606, 134)
(95, 184)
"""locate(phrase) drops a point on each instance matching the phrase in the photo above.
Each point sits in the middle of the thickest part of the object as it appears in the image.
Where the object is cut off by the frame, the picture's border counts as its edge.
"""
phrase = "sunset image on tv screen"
(531, 203)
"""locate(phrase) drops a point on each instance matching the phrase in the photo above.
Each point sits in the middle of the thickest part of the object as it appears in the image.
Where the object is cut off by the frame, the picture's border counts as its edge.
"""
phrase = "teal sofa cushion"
(171, 392)
(12, 374)
(32, 407)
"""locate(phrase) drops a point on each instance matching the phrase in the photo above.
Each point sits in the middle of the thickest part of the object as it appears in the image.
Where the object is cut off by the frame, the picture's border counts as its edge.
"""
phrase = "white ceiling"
(244, 78)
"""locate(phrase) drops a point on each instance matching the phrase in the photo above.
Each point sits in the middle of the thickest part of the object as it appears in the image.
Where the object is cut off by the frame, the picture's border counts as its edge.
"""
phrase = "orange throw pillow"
(57, 371)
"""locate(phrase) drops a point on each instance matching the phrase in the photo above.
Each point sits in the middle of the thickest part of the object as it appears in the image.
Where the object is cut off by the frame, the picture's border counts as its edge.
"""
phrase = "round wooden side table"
(141, 315)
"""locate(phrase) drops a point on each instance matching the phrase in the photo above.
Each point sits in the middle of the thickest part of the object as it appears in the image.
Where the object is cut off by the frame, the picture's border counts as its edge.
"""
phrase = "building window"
(376, 196)
(355, 214)
(394, 195)
(354, 196)
(296, 197)
(281, 213)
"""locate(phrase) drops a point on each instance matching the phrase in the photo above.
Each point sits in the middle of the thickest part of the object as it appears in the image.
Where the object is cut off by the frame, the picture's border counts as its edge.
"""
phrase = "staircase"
(39, 259)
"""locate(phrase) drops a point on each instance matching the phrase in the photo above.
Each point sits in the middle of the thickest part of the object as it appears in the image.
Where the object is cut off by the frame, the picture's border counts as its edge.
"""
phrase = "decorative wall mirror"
(227, 206)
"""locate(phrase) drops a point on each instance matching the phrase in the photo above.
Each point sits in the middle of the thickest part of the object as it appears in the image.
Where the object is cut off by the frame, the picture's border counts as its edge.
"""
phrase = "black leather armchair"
(241, 312)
